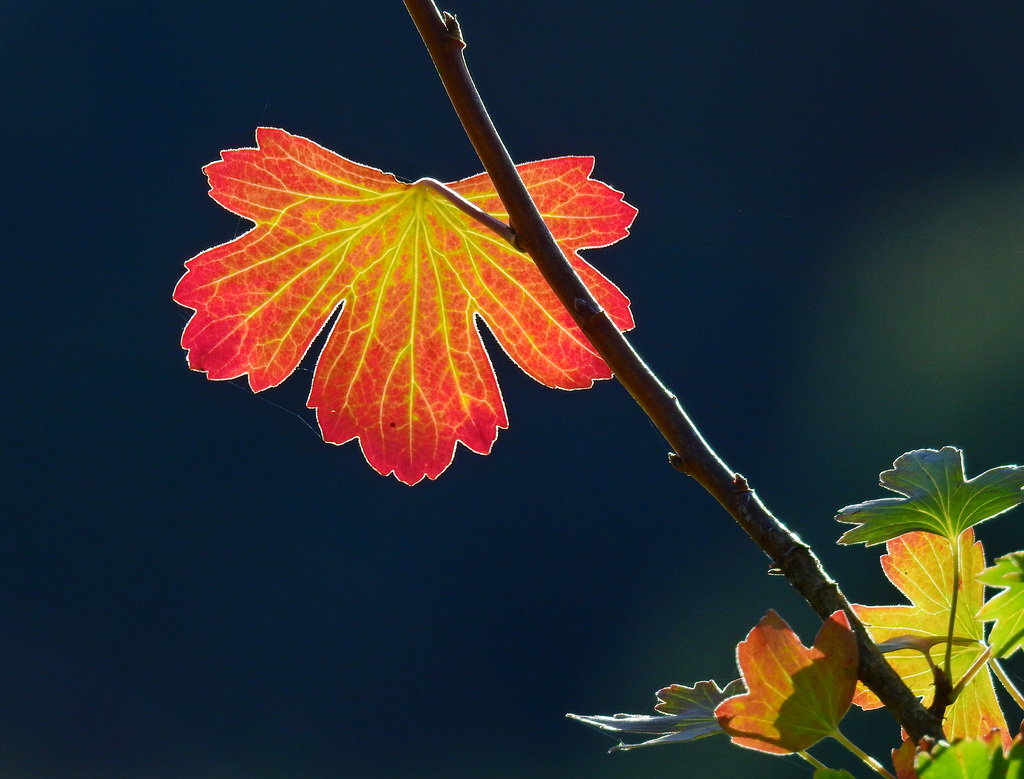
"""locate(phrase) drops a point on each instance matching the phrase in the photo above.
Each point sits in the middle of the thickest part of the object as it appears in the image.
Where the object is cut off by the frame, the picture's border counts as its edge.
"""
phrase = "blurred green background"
(826, 268)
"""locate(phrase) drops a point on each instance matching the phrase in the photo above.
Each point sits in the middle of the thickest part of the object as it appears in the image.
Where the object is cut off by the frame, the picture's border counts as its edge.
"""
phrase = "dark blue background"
(826, 268)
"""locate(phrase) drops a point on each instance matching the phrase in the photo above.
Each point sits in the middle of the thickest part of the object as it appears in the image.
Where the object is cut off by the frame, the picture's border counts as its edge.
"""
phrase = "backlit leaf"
(920, 565)
(797, 696)
(937, 498)
(976, 758)
(403, 369)
(687, 714)
(1006, 607)
(903, 760)
(971, 759)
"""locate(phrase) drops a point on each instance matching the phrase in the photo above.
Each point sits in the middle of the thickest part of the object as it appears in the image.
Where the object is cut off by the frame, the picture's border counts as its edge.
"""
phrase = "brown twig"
(692, 455)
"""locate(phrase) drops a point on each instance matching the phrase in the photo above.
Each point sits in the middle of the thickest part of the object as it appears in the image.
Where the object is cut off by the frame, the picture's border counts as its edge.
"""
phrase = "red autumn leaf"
(797, 696)
(403, 369)
(920, 565)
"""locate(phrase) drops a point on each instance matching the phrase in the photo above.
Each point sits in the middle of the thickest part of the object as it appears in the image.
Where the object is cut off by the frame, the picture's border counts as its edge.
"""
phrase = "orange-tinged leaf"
(797, 696)
(903, 760)
(403, 369)
(920, 564)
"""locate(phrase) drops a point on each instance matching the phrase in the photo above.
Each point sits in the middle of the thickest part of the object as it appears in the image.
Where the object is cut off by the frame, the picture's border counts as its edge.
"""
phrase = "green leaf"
(831, 773)
(687, 713)
(1007, 607)
(971, 759)
(937, 498)
(1015, 759)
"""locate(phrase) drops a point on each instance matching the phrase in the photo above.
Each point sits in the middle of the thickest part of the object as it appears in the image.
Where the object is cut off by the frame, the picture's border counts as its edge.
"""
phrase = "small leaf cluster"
(946, 643)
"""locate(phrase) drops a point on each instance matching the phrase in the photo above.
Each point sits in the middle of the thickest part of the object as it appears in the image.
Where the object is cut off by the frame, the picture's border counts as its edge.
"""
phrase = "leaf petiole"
(811, 759)
(947, 664)
(976, 666)
(493, 224)
(865, 758)
(1008, 685)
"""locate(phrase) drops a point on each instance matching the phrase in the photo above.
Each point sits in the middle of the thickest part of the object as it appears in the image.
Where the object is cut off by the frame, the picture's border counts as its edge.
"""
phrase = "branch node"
(454, 30)
(679, 462)
(797, 552)
(514, 238)
(943, 693)
(740, 483)
(587, 309)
